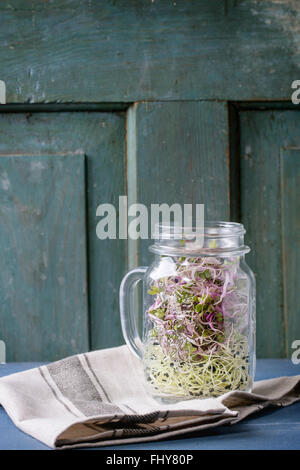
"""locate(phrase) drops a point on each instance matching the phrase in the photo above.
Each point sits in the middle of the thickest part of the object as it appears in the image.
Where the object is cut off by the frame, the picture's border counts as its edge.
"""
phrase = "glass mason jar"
(199, 313)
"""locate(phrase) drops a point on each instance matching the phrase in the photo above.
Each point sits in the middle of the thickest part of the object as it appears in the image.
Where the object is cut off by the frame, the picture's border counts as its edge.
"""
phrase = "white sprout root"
(215, 374)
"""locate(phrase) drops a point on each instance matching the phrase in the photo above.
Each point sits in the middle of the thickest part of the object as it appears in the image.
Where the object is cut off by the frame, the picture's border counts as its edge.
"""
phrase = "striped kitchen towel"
(98, 398)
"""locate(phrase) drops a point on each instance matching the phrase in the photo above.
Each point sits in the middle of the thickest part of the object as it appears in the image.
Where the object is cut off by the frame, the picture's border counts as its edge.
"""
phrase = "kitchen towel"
(98, 399)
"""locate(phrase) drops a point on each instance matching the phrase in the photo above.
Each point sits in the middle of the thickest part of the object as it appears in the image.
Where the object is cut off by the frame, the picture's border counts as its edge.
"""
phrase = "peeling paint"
(5, 183)
(45, 259)
(37, 165)
(61, 280)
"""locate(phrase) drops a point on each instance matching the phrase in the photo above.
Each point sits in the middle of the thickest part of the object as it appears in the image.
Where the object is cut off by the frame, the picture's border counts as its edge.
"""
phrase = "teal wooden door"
(59, 283)
(55, 168)
(270, 210)
(153, 100)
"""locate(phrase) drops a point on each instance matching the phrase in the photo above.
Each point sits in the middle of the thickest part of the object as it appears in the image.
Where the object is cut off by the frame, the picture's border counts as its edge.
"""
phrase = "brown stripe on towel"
(55, 394)
(96, 378)
(75, 384)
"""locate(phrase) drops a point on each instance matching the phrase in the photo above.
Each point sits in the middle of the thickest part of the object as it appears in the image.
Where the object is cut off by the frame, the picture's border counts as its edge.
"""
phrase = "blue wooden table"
(270, 429)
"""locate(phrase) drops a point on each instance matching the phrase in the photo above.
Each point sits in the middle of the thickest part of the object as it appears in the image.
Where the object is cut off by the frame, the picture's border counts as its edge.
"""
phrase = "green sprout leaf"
(154, 290)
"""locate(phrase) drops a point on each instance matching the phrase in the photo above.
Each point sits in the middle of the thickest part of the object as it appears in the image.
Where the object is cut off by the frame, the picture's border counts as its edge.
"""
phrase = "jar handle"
(128, 311)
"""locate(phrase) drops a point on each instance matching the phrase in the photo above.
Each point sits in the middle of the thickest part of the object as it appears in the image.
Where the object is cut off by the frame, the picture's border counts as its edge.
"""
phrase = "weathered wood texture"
(42, 236)
(290, 235)
(88, 51)
(178, 153)
(270, 211)
(100, 136)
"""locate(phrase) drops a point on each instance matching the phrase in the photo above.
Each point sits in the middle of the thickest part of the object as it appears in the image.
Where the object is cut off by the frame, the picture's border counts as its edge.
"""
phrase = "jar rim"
(211, 229)
(215, 238)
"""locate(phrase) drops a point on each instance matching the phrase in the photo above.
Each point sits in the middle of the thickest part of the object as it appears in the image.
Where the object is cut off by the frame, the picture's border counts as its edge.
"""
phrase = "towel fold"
(99, 399)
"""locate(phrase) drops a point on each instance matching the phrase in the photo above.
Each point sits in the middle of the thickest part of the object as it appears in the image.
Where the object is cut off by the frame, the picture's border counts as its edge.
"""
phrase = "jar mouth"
(215, 238)
(212, 229)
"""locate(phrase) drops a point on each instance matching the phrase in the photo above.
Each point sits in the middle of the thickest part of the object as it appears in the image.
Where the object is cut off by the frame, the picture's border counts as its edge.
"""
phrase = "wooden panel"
(43, 256)
(107, 258)
(178, 154)
(262, 136)
(290, 226)
(141, 50)
(101, 137)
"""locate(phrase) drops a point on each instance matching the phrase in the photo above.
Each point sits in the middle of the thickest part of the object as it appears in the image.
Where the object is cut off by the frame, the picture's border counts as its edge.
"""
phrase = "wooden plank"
(178, 153)
(101, 137)
(43, 256)
(290, 235)
(262, 136)
(234, 151)
(84, 51)
(107, 258)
